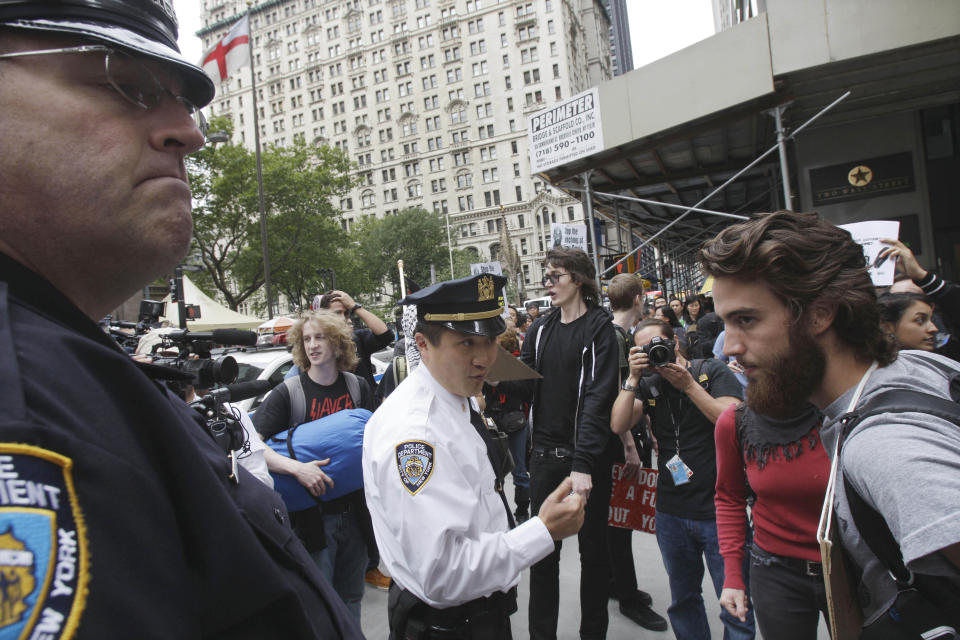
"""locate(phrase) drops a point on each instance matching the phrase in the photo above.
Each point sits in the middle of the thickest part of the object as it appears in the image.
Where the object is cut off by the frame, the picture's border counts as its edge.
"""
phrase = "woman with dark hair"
(692, 310)
(907, 318)
(667, 314)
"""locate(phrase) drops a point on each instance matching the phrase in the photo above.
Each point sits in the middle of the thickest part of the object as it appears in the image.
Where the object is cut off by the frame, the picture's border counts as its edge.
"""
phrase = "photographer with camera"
(684, 400)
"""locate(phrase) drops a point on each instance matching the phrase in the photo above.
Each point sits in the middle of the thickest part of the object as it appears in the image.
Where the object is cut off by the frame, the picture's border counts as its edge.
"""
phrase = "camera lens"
(659, 355)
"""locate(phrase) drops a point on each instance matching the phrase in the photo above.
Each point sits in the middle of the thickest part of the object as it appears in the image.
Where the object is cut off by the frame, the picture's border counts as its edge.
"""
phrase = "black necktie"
(494, 456)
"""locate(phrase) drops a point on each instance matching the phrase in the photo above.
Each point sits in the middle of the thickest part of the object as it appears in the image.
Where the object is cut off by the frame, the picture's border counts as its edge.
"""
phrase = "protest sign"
(868, 235)
(477, 268)
(633, 501)
(565, 234)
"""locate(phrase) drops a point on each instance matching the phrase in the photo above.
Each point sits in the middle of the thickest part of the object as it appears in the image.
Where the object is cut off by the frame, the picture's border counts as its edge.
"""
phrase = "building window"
(492, 198)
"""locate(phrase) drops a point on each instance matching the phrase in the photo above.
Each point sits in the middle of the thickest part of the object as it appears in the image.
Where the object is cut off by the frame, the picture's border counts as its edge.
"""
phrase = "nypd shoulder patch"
(415, 464)
(44, 556)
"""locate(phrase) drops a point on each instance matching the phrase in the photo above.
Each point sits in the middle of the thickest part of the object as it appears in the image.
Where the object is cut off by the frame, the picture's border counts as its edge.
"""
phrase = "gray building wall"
(864, 139)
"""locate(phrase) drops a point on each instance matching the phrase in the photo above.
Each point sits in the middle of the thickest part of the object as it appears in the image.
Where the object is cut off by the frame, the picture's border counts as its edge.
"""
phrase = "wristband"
(355, 307)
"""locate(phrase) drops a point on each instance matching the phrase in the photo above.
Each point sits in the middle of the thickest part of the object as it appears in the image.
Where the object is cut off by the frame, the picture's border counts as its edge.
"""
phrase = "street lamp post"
(450, 246)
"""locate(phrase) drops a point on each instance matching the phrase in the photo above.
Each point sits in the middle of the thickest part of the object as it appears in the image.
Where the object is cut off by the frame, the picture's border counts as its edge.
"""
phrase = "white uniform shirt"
(441, 527)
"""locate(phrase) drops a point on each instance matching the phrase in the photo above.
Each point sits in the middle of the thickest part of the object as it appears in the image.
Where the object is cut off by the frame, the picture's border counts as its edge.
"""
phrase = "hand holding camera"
(656, 353)
(660, 354)
(639, 364)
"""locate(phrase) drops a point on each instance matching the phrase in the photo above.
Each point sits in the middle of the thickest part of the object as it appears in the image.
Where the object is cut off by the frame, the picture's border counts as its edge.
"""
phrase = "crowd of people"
(126, 514)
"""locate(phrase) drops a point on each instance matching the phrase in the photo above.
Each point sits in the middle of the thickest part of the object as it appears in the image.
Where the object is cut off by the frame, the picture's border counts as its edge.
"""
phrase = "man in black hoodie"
(575, 350)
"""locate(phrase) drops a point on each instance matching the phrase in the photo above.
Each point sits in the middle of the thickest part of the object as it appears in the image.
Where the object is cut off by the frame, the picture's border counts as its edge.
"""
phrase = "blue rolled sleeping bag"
(339, 437)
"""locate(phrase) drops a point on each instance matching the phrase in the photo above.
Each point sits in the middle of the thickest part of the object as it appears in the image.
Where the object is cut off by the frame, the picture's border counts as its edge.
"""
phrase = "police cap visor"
(144, 27)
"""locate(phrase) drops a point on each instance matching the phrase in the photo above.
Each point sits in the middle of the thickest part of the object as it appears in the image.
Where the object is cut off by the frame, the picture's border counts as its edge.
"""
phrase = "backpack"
(399, 369)
(298, 400)
(926, 606)
(624, 342)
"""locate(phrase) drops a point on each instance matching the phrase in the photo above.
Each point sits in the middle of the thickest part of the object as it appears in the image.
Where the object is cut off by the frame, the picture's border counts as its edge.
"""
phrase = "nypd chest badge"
(44, 557)
(415, 464)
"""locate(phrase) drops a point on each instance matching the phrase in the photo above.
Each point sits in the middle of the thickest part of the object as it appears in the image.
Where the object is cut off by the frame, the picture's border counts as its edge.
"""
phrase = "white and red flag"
(229, 54)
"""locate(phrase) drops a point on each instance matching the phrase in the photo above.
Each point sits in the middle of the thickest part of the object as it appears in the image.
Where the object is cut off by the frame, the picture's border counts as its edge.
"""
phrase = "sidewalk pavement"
(650, 575)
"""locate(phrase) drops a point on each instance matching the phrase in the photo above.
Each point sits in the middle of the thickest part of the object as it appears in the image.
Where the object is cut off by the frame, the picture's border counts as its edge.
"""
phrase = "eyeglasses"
(553, 278)
(128, 77)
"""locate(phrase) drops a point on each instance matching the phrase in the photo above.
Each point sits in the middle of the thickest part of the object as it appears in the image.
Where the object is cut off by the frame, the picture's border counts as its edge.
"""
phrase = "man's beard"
(778, 391)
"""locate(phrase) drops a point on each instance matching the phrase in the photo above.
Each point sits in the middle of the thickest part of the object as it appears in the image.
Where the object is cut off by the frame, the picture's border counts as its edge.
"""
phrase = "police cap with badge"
(471, 305)
(142, 27)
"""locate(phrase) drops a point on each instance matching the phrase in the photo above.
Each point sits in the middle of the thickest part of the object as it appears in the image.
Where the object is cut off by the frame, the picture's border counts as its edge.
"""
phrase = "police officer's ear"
(423, 345)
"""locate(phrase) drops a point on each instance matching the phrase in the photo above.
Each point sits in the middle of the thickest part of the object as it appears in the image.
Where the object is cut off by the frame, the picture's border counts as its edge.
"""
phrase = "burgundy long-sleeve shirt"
(789, 498)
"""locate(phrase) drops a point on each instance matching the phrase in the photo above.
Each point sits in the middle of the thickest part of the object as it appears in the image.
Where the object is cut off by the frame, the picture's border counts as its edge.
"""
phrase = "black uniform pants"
(547, 470)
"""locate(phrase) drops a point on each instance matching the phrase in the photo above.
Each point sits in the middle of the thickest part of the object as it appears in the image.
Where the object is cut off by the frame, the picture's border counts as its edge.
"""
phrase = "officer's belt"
(404, 607)
(497, 602)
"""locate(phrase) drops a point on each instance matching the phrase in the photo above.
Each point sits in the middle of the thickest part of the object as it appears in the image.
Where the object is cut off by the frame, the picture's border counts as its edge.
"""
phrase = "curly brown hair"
(335, 330)
(805, 260)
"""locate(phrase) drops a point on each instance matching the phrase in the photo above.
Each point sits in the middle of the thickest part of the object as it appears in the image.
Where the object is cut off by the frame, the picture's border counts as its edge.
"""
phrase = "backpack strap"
(870, 523)
(353, 388)
(399, 369)
(298, 400)
(900, 401)
(697, 366)
(623, 342)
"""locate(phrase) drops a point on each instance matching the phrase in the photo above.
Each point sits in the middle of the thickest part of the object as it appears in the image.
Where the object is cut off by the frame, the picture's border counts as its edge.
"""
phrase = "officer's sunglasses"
(130, 78)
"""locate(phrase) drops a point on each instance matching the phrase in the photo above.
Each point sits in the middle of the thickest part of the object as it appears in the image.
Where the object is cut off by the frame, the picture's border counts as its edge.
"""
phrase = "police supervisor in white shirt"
(433, 478)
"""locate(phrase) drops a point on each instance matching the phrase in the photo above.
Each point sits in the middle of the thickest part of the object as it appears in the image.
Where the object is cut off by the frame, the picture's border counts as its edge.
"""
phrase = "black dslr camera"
(660, 351)
(194, 359)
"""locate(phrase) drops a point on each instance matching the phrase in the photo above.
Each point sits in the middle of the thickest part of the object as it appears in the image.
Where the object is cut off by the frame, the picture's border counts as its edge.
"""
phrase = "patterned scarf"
(761, 436)
(409, 324)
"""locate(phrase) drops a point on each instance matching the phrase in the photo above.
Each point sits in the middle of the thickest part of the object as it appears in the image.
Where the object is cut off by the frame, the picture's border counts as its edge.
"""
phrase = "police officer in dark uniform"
(433, 477)
(119, 516)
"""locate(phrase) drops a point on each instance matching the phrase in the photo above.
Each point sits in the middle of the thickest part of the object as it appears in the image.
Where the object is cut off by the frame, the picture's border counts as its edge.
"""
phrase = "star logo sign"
(860, 176)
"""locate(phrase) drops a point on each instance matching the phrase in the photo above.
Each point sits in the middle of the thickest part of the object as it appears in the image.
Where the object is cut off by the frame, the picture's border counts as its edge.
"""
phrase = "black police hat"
(468, 305)
(146, 27)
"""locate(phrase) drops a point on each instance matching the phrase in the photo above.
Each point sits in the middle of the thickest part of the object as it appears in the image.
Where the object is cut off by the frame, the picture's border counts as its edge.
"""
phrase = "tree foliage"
(301, 183)
(414, 235)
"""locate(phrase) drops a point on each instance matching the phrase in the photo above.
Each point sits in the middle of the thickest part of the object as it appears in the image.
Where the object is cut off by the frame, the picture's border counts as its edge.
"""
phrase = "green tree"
(301, 183)
(414, 235)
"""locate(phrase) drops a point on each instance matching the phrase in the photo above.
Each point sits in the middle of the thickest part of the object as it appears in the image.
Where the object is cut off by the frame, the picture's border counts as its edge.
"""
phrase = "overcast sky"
(657, 27)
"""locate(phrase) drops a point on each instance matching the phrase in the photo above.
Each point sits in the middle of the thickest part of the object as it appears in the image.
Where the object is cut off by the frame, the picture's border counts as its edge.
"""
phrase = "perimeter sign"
(566, 131)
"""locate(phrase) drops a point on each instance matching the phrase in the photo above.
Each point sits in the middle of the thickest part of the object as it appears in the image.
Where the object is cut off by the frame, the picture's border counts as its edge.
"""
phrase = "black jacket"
(599, 382)
(946, 296)
(148, 537)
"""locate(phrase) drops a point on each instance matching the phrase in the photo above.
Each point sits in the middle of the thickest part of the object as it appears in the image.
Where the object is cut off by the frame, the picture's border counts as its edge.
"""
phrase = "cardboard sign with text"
(633, 501)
